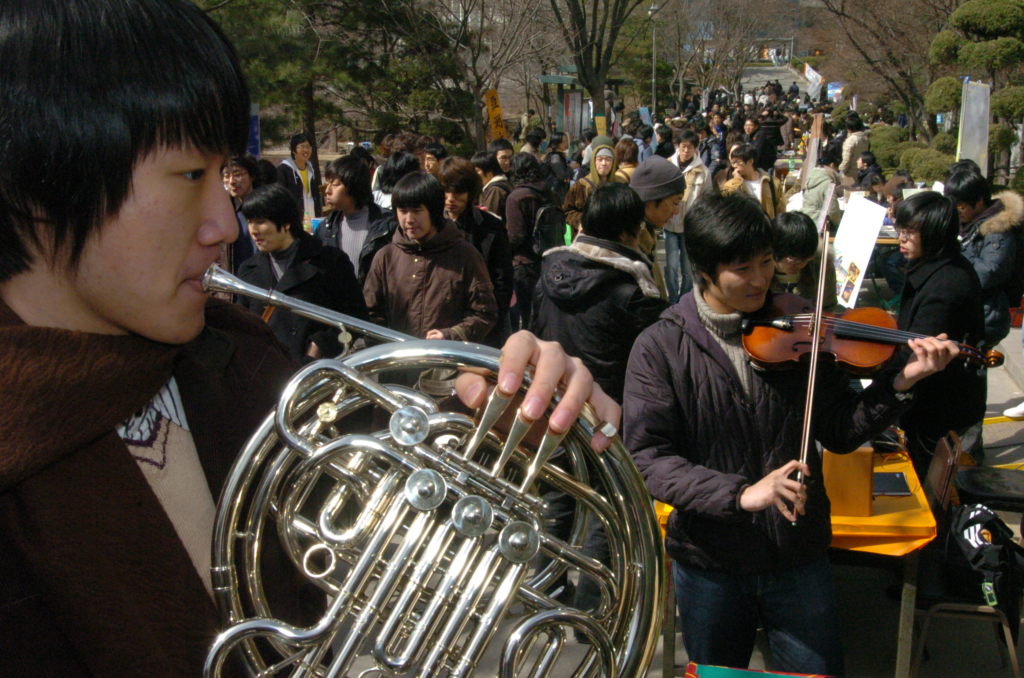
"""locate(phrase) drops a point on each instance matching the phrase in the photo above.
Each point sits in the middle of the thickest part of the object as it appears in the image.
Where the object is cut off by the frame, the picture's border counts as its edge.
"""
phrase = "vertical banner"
(813, 149)
(974, 117)
(601, 125)
(494, 113)
(254, 130)
(853, 104)
(814, 81)
(645, 116)
(573, 114)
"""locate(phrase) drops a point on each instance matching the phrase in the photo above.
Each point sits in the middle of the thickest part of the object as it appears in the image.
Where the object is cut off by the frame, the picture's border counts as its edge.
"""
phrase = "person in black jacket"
(300, 177)
(718, 441)
(595, 296)
(295, 263)
(757, 136)
(357, 225)
(462, 186)
(942, 295)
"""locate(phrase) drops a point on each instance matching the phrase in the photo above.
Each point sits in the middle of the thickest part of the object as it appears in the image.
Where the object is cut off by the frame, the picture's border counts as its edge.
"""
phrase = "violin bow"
(815, 328)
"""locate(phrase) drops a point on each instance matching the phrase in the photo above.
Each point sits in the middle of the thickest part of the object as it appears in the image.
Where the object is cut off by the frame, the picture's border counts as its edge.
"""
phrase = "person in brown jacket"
(753, 182)
(496, 185)
(602, 170)
(429, 282)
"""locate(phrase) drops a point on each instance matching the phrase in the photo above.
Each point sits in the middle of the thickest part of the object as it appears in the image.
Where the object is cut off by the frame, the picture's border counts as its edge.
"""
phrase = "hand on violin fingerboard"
(931, 355)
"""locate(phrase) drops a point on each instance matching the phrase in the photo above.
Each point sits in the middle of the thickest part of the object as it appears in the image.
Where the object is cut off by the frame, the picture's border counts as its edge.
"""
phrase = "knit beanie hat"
(599, 143)
(657, 178)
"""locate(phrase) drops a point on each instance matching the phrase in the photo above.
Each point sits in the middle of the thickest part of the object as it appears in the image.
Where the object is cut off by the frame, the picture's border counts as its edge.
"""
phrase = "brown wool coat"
(95, 581)
(439, 285)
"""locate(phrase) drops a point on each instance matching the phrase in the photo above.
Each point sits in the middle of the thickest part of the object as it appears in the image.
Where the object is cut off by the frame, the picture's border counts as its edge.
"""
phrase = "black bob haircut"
(500, 145)
(397, 166)
(935, 216)
(744, 153)
(525, 169)
(611, 210)
(437, 150)
(420, 189)
(724, 229)
(276, 204)
(247, 162)
(486, 162)
(78, 92)
(355, 175)
(687, 136)
(296, 140)
(794, 236)
(967, 187)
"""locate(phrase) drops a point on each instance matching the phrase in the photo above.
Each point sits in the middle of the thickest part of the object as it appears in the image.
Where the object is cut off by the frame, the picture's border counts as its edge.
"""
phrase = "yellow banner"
(601, 123)
(494, 113)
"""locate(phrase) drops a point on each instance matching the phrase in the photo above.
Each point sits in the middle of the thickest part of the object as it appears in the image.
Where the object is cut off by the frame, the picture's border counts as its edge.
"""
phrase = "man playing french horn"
(125, 391)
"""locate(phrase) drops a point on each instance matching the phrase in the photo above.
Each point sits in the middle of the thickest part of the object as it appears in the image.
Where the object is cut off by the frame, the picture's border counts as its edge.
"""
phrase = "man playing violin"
(125, 393)
(719, 441)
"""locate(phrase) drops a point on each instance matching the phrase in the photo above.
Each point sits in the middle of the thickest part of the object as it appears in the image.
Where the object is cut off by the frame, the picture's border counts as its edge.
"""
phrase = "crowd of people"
(127, 392)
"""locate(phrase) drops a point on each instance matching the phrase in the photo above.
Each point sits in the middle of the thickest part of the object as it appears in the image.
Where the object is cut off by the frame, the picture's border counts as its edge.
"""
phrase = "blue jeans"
(796, 607)
(677, 267)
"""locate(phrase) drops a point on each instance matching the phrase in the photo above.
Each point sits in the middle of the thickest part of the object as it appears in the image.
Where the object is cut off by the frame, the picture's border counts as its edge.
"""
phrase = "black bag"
(518, 130)
(1015, 285)
(983, 563)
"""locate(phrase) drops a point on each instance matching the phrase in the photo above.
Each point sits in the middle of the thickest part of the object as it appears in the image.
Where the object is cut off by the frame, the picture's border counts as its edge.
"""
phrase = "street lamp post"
(654, 59)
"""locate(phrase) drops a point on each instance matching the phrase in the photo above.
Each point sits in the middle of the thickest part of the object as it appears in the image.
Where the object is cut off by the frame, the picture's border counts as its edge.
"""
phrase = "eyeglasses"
(906, 233)
(237, 174)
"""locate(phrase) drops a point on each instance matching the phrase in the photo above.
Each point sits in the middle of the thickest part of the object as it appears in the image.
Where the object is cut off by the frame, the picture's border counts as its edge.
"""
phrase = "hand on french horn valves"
(551, 367)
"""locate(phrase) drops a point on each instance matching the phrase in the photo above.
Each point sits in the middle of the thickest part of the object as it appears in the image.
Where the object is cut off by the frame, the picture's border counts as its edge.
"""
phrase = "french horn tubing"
(429, 540)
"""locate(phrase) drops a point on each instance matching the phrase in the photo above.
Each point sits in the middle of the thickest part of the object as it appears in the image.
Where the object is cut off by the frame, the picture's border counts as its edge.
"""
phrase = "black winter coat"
(944, 295)
(593, 299)
(382, 228)
(990, 244)
(319, 275)
(698, 443)
(292, 180)
(488, 235)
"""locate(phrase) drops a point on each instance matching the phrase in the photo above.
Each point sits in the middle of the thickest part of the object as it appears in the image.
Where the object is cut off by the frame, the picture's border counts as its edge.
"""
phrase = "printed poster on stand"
(854, 245)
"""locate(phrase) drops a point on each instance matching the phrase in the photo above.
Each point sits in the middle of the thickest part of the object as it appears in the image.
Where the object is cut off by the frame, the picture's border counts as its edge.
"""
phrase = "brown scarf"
(76, 511)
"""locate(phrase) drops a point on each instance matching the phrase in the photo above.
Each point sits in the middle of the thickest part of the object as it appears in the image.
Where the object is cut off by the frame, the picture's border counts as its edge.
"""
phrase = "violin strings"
(857, 330)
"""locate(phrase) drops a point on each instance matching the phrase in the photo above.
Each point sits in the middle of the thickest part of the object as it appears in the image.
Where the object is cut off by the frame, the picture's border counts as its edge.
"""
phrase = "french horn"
(427, 539)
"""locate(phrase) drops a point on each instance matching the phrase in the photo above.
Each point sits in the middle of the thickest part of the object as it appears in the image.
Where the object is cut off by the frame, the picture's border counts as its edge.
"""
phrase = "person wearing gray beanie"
(656, 179)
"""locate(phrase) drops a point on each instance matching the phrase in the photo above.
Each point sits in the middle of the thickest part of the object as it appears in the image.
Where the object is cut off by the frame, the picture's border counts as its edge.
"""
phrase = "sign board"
(494, 113)
(645, 116)
(854, 243)
(573, 114)
(814, 81)
(601, 125)
(835, 91)
(254, 130)
(974, 118)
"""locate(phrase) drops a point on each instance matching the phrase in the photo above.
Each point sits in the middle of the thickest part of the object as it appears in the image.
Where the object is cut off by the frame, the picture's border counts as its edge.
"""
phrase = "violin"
(862, 340)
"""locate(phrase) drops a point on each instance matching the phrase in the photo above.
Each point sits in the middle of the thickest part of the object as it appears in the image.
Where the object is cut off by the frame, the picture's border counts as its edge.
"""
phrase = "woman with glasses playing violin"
(797, 255)
(942, 295)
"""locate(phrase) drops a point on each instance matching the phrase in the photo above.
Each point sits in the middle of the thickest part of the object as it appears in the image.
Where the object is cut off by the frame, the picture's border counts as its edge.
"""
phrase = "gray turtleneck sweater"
(725, 328)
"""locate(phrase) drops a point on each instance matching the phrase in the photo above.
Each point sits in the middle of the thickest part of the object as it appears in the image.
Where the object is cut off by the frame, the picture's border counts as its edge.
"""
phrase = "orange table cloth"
(896, 527)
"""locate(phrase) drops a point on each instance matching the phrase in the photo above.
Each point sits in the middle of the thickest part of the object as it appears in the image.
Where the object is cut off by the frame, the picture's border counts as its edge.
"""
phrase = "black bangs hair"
(968, 187)
(486, 162)
(937, 219)
(398, 165)
(611, 210)
(274, 203)
(88, 89)
(420, 189)
(354, 175)
(794, 236)
(723, 229)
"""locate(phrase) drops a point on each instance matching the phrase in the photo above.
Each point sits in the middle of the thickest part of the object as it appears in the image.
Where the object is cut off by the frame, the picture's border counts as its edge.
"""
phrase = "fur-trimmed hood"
(1010, 215)
(608, 254)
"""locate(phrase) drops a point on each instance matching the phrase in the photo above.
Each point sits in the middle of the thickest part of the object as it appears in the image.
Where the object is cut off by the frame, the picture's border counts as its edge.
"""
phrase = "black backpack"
(548, 226)
(983, 562)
